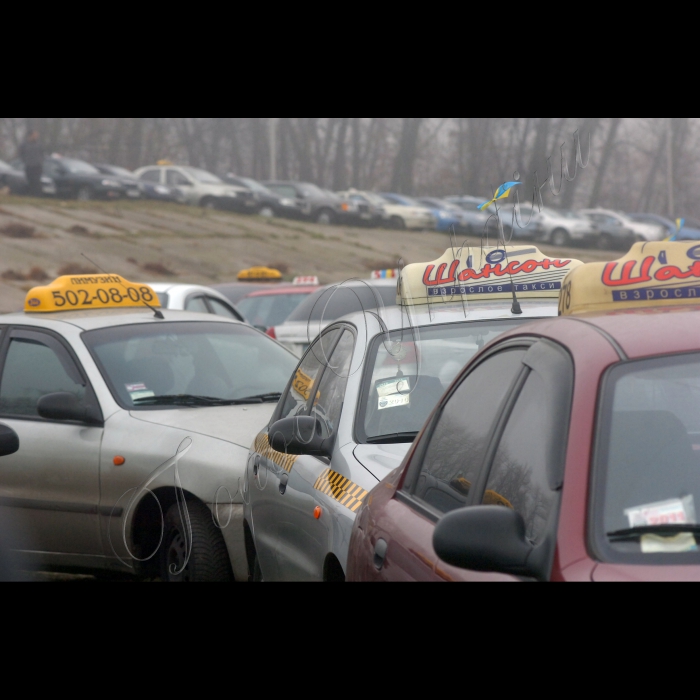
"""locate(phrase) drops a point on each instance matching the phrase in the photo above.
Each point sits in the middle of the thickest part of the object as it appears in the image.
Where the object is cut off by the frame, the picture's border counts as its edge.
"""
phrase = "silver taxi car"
(362, 393)
(134, 426)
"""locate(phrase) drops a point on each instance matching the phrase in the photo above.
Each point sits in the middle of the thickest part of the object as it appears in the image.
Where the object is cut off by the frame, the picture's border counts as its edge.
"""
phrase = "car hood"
(381, 460)
(652, 232)
(235, 424)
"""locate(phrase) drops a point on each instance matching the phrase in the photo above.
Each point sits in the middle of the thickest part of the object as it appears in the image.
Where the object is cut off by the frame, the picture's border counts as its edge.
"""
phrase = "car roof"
(108, 318)
(285, 289)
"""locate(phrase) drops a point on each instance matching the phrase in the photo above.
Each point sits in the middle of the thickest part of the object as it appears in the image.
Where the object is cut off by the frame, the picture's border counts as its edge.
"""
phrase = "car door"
(54, 479)
(61, 178)
(272, 469)
(174, 178)
(445, 465)
(304, 539)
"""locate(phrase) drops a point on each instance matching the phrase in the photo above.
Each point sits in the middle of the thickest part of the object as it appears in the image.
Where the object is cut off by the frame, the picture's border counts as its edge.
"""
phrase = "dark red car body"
(595, 343)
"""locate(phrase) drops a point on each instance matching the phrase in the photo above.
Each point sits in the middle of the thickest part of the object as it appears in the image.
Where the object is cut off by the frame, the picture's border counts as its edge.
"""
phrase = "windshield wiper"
(264, 398)
(394, 438)
(189, 400)
(636, 533)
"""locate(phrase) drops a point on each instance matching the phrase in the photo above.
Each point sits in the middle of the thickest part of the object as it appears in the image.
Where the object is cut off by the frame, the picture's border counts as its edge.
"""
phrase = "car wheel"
(204, 558)
(397, 223)
(267, 211)
(324, 217)
(561, 238)
(208, 203)
(84, 194)
(604, 242)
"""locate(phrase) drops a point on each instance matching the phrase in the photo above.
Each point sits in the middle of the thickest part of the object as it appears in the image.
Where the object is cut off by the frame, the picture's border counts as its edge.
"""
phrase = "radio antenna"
(156, 312)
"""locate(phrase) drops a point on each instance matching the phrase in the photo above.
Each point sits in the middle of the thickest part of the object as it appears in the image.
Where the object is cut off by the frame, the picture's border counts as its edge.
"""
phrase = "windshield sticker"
(393, 401)
(139, 391)
(654, 544)
(677, 511)
(397, 385)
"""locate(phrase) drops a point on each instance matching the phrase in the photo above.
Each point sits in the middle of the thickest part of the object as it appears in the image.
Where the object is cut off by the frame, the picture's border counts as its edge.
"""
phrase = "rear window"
(648, 460)
(338, 301)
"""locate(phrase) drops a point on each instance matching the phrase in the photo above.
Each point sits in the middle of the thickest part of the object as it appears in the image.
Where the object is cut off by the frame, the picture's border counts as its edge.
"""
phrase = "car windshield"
(313, 191)
(410, 370)
(203, 176)
(270, 310)
(374, 198)
(404, 201)
(254, 185)
(79, 167)
(648, 462)
(328, 305)
(121, 172)
(207, 360)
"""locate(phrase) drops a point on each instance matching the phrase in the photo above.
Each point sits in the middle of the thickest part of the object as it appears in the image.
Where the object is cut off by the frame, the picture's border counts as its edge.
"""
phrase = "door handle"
(284, 480)
(380, 554)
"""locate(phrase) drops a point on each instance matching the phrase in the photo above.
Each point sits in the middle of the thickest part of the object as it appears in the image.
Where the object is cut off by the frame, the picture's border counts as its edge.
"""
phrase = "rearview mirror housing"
(9, 441)
(484, 538)
(301, 435)
(65, 406)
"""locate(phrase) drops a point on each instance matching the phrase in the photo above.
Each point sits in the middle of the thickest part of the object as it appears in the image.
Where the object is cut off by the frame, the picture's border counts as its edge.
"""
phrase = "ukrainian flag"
(501, 193)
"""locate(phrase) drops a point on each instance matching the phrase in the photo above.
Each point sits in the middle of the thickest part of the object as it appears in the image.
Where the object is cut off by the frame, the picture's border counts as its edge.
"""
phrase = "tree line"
(634, 164)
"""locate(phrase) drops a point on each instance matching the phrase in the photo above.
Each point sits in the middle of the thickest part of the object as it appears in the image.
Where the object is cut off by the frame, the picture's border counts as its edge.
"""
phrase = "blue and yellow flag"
(680, 223)
(501, 193)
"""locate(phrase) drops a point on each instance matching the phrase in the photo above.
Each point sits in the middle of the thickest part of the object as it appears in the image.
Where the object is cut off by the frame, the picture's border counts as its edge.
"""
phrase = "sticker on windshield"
(654, 544)
(393, 401)
(397, 385)
(139, 391)
(677, 511)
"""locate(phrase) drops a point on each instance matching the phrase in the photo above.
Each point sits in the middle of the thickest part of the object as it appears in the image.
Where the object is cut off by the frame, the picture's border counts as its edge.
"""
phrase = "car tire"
(208, 559)
(560, 238)
(397, 223)
(84, 194)
(267, 211)
(208, 203)
(325, 217)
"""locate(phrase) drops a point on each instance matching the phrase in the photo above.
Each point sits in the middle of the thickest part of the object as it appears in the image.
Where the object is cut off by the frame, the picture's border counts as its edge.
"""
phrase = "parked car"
(314, 204)
(267, 308)
(199, 187)
(643, 231)
(12, 178)
(448, 215)
(79, 180)
(152, 188)
(132, 188)
(476, 218)
(268, 203)
(329, 304)
(193, 297)
(401, 216)
(438, 225)
(558, 227)
(612, 234)
(690, 231)
(361, 209)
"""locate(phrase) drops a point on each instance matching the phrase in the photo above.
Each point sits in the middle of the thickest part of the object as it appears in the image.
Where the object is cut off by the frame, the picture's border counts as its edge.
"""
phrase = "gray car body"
(72, 496)
(290, 542)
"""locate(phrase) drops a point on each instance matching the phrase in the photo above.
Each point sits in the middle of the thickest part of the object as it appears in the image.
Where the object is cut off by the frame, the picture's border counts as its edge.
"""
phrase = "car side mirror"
(65, 406)
(301, 435)
(483, 538)
(9, 441)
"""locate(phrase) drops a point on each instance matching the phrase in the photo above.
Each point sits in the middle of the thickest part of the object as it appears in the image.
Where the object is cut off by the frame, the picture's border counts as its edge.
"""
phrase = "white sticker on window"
(677, 511)
(398, 385)
(139, 391)
(393, 401)
(653, 544)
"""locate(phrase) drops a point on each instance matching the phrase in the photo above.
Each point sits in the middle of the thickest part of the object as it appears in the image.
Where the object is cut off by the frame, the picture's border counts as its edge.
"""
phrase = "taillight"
(271, 332)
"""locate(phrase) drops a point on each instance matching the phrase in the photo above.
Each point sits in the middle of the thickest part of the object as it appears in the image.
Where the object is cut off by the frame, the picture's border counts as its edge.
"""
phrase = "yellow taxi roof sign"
(661, 273)
(89, 292)
(260, 274)
(484, 273)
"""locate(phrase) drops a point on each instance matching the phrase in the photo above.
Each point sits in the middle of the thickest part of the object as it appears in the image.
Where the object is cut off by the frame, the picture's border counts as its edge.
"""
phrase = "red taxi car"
(567, 450)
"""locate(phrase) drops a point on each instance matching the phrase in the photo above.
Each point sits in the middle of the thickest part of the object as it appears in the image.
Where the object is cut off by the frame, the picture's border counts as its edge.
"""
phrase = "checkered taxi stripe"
(346, 492)
(262, 447)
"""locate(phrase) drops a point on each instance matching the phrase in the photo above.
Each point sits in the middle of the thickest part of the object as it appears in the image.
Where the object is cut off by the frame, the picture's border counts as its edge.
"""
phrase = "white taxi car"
(362, 393)
(134, 425)
(195, 298)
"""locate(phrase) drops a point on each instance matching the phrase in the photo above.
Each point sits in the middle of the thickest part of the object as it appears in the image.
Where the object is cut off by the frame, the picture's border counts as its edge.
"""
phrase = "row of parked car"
(605, 229)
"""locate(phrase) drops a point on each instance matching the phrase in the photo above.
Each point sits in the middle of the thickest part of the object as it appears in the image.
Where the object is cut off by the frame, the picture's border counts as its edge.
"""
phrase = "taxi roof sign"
(260, 274)
(308, 281)
(661, 273)
(483, 274)
(384, 274)
(89, 292)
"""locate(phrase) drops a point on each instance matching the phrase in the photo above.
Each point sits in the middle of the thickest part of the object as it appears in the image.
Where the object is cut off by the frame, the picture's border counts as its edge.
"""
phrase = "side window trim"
(414, 468)
(227, 304)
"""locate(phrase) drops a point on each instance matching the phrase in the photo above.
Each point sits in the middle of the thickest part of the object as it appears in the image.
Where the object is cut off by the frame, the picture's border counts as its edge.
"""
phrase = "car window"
(150, 176)
(176, 179)
(271, 309)
(459, 442)
(331, 391)
(51, 168)
(197, 305)
(284, 190)
(221, 309)
(519, 474)
(32, 370)
(303, 384)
